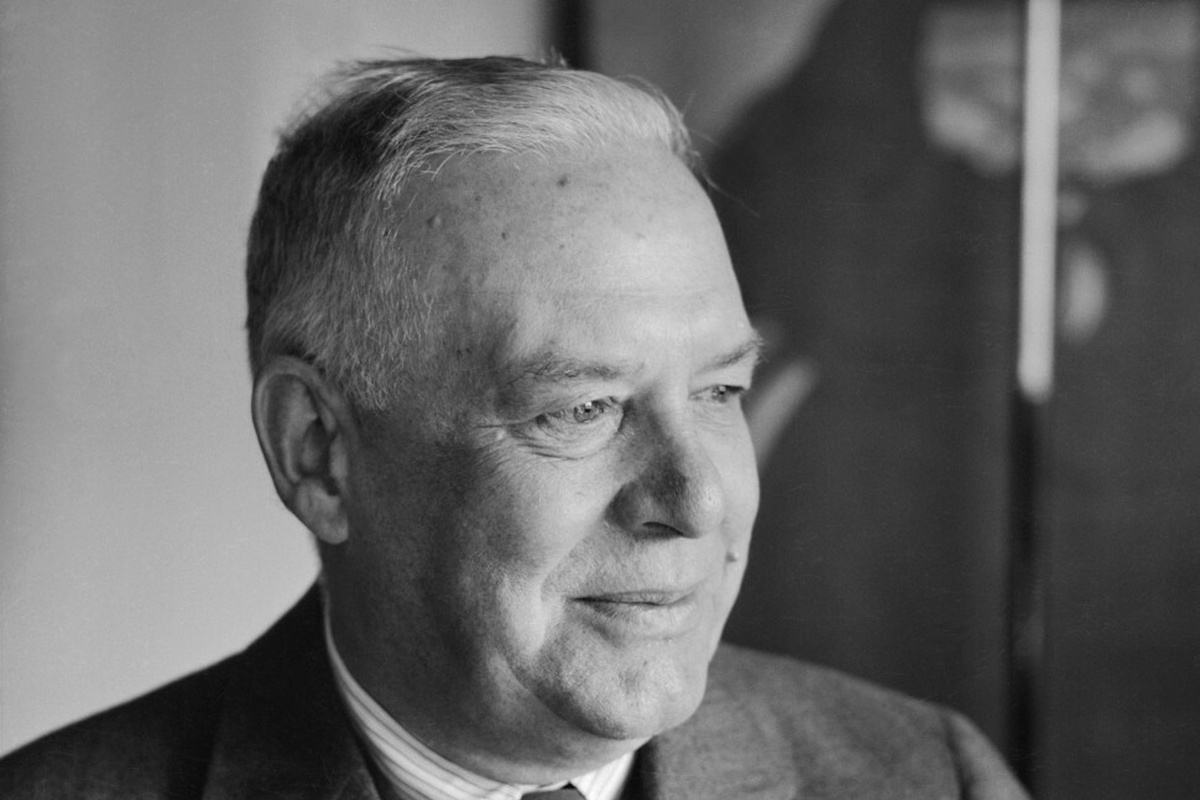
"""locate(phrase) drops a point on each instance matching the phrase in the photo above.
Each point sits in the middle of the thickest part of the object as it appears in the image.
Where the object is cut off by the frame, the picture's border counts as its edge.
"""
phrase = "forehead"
(538, 253)
(503, 220)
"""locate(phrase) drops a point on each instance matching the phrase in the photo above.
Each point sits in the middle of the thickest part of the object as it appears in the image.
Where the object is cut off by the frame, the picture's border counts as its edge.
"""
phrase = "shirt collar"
(417, 772)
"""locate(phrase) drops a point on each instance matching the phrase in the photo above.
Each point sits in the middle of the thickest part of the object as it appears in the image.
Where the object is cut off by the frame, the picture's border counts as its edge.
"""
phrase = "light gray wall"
(139, 533)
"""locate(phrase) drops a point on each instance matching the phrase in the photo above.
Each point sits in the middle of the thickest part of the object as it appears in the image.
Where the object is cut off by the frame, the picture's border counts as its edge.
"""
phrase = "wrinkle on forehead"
(481, 218)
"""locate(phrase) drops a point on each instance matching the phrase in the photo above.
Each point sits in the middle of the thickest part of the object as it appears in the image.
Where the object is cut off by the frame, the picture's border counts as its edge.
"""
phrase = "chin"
(643, 726)
(635, 703)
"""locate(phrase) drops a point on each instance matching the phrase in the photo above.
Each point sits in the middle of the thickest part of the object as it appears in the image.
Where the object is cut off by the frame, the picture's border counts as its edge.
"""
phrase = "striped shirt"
(418, 773)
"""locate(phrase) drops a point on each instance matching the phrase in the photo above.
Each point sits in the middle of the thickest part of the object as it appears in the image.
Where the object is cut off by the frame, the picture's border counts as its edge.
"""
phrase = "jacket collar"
(728, 748)
(284, 732)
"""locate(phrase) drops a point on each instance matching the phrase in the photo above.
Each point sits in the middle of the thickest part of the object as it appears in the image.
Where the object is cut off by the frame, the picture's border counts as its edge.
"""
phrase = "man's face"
(546, 540)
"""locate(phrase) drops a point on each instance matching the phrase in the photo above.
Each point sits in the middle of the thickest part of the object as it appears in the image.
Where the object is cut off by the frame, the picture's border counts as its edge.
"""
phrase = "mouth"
(655, 613)
(642, 597)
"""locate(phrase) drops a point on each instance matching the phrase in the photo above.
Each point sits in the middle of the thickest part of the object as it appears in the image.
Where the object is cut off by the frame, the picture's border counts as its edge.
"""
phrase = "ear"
(307, 434)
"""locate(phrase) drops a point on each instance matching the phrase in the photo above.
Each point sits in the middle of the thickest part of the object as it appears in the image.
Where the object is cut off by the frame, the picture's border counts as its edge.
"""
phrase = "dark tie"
(568, 792)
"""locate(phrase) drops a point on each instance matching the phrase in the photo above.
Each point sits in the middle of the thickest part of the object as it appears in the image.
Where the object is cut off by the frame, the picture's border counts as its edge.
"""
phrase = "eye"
(722, 393)
(720, 403)
(583, 414)
(590, 421)
(590, 411)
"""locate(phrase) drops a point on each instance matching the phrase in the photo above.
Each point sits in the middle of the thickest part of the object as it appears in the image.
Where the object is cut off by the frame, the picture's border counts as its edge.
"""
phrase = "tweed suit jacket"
(268, 723)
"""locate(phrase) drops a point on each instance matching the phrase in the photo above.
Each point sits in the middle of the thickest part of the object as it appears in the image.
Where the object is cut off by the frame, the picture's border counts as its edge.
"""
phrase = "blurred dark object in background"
(871, 205)
(889, 263)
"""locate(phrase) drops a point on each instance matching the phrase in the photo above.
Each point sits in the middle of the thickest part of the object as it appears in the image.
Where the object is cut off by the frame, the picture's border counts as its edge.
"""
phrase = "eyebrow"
(554, 368)
(549, 367)
(750, 350)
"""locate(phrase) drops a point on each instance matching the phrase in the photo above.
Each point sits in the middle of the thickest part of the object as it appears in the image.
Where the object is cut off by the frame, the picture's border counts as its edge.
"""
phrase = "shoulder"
(796, 688)
(155, 745)
(840, 726)
(819, 706)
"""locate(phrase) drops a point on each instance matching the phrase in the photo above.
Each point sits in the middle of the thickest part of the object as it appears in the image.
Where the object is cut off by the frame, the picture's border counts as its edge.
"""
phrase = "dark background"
(886, 260)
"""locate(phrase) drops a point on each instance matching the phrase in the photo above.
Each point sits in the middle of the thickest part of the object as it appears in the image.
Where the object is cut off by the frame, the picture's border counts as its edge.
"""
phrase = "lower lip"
(654, 620)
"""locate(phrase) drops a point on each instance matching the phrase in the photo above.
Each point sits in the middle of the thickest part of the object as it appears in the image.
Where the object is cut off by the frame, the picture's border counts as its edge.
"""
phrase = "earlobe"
(305, 430)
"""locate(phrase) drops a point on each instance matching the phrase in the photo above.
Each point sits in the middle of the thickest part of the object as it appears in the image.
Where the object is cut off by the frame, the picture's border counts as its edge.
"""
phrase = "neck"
(539, 751)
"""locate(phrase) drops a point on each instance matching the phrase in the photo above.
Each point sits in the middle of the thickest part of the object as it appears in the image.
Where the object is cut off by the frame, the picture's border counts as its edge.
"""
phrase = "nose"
(675, 486)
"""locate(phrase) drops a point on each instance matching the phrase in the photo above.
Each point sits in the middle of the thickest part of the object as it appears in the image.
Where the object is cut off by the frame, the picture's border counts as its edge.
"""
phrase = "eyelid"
(606, 403)
(554, 432)
(737, 378)
(560, 422)
(731, 390)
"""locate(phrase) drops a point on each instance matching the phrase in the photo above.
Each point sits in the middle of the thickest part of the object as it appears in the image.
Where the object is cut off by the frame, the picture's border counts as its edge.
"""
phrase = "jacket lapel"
(284, 733)
(725, 750)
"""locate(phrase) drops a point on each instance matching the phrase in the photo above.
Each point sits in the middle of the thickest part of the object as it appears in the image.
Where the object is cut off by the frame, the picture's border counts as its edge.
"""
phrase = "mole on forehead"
(492, 173)
(439, 205)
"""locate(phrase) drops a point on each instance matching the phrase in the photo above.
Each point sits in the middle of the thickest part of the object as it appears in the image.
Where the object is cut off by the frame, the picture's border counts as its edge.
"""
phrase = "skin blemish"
(434, 222)
(504, 235)
(564, 180)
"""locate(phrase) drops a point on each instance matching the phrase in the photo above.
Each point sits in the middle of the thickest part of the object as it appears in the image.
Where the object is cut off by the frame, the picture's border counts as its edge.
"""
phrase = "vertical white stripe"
(1039, 200)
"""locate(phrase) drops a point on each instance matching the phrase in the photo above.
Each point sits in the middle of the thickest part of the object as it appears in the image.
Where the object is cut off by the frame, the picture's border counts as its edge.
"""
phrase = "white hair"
(326, 280)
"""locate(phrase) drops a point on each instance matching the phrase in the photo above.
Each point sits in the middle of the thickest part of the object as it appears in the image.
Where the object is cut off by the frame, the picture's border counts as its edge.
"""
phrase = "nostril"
(662, 529)
(676, 497)
(674, 487)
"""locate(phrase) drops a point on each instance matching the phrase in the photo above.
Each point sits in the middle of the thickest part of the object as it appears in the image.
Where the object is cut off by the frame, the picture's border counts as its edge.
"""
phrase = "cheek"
(519, 540)
(526, 514)
(739, 477)
(745, 478)
(735, 461)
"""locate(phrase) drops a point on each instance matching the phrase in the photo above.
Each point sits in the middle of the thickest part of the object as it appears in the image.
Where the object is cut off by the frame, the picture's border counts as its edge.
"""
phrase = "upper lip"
(654, 597)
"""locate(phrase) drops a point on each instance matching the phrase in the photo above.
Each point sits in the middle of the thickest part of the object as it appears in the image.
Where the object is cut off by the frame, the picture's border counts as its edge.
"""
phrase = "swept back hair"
(325, 272)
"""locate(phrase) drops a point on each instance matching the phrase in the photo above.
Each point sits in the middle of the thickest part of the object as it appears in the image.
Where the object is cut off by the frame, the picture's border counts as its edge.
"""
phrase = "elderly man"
(499, 355)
